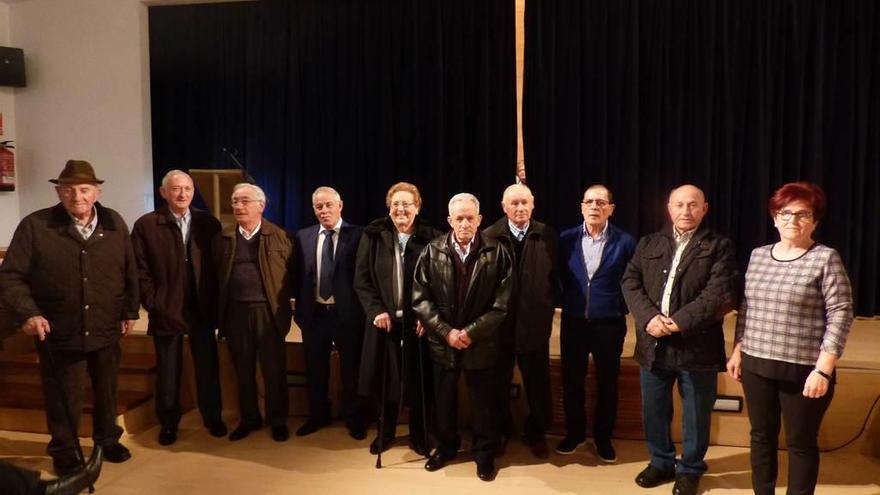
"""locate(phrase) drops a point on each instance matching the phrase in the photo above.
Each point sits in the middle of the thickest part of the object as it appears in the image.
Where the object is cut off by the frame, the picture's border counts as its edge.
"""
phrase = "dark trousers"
(767, 400)
(252, 337)
(482, 390)
(66, 378)
(535, 370)
(328, 331)
(578, 340)
(407, 356)
(17, 481)
(169, 361)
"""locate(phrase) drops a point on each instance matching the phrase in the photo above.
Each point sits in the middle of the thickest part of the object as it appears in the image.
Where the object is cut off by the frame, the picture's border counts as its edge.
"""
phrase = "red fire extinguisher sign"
(7, 166)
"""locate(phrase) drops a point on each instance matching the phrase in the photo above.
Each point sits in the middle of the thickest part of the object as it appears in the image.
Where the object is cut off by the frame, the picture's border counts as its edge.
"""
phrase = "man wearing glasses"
(253, 258)
(595, 254)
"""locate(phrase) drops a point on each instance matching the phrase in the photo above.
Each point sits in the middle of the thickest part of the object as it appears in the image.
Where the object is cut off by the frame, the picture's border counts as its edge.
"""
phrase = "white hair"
(259, 195)
(464, 197)
(326, 189)
(172, 173)
(512, 187)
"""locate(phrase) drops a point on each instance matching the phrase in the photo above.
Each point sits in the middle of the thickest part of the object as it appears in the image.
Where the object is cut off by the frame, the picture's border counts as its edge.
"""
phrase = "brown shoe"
(540, 449)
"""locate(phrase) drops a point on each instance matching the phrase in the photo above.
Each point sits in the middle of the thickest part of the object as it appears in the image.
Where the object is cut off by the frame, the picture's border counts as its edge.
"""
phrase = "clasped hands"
(661, 326)
(459, 339)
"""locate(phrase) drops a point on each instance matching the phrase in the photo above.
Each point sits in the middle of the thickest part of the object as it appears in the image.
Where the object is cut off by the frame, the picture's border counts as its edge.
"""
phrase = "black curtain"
(737, 97)
(352, 94)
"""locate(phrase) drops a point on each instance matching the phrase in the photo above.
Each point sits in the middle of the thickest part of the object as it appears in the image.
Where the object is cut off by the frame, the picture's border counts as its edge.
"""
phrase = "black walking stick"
(386, 342)
(47, 351)
(424, 402)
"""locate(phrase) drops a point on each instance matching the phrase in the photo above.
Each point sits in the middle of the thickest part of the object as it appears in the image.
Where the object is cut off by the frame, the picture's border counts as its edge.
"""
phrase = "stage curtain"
(352, 94)
(737, 97)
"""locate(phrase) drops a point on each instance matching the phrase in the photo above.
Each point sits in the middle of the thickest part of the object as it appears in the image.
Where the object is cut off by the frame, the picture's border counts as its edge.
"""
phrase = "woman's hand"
(816, 385)
(734, 364)
(383, 321)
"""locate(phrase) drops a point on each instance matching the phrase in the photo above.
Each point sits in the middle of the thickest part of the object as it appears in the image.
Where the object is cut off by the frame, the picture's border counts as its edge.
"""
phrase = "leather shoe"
(606, 452)
(311, 426)
(241, 431)
(280, 433)
(418, 448)
(217, 429)
(357, 430)
(686, 484)
(486, 470)
(651, 477)
(540, 449)
(386, 444)
(436, 461)
(80, 479)
(116, 453)
(167, 435)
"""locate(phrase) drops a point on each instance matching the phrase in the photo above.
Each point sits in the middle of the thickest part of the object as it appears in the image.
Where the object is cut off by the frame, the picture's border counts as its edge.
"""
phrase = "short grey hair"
(259, 195)
(512, 187)
(172, 173)
(464, 197)
(326, 189)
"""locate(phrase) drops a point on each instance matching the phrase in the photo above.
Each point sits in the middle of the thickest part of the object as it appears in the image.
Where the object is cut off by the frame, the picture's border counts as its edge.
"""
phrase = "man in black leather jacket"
(460, 294)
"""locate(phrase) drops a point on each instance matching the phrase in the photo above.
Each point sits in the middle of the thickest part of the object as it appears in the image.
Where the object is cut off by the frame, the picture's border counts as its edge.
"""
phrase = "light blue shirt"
(183, 223)
(593, 249)
(519, 233)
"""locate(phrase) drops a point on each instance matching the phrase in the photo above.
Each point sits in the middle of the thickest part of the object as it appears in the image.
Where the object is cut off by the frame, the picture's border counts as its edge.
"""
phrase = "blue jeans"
(697, 390)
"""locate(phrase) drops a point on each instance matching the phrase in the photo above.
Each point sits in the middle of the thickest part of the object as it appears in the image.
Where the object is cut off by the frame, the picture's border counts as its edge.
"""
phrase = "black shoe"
(651, 477)
(540, 449)
(437, 461)
(217, 429)
(357, 430)
(311, 426)
(81, 479)
(686, 484)
(418, 448)
(606, 452)
(486, 470)
(65, 467)
(568, 445)
(241, 431)
(116, 453)
(386, 444)
(280, 433)
(167, 435)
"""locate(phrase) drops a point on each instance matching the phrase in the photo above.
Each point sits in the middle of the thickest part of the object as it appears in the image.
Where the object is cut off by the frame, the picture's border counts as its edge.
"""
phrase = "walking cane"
(422, 387)
(386, 342)
(47, 351)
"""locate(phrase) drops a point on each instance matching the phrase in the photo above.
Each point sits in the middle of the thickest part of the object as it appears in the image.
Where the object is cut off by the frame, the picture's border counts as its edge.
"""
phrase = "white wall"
(9, 208)
(87, 97)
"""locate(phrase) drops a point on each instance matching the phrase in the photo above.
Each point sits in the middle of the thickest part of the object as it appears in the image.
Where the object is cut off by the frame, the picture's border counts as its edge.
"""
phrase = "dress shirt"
(86, 229)
(593, 249)
(319, 253)
(681, 241)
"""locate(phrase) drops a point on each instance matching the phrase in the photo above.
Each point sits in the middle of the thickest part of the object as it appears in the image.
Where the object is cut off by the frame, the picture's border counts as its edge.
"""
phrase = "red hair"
(807, 192)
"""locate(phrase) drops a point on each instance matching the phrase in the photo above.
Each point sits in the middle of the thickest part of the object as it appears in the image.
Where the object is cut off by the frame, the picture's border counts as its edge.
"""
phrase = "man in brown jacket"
(253, 265)
(70, 279)
(172, 246)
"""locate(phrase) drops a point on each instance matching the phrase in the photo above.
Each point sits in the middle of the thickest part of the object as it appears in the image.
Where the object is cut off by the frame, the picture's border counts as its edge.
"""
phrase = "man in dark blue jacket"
(595, 254)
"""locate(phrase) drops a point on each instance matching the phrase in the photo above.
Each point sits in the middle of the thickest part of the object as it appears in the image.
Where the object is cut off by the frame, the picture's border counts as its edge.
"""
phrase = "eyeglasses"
(788, 215)
(600, 203)
(243, 202)
(402, 204)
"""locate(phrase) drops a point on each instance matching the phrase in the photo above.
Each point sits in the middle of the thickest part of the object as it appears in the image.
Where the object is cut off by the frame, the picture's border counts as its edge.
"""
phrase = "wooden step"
(22, 409)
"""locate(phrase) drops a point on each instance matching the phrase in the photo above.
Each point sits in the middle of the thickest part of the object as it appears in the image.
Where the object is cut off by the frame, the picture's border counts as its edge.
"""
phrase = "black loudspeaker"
(12, 67)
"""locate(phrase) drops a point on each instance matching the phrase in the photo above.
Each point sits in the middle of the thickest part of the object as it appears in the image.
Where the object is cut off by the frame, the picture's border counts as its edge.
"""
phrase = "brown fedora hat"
(77, 172)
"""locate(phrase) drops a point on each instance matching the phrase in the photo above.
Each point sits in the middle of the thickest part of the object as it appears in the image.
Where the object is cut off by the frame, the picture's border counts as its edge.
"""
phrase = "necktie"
(327, 266)
(520, 235)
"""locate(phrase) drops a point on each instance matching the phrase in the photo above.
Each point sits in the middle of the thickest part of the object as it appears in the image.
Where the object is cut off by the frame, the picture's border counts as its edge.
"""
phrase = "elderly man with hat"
(70, 279)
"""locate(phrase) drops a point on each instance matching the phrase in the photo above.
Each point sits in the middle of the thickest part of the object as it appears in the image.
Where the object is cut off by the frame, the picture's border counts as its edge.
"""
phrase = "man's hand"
(36, 325)
(127, 325)
(383, 321)
(657, 328)
(454, 339)
(671, 326)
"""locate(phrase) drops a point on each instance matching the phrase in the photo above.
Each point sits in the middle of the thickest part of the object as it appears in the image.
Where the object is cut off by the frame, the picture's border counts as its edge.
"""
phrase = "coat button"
(86, 306)
(87, 333)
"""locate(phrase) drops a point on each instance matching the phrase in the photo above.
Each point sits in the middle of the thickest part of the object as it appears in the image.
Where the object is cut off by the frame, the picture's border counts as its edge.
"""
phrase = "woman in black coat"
(386, 260)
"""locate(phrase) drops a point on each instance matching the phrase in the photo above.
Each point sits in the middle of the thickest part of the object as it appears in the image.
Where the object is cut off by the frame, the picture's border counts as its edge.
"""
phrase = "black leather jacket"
(485, 307)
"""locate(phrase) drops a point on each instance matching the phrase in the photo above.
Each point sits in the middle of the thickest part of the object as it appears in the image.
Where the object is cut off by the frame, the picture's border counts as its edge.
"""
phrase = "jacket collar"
(500, 231)
(61, 219)
(267, 228)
